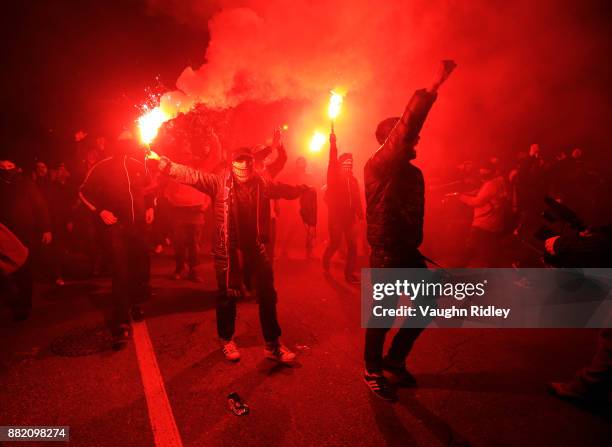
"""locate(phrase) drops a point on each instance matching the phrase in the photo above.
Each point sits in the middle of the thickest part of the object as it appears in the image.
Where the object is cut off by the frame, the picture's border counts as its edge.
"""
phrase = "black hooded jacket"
(229, 206)
(394, 187)
(118, 184)
(342, 195)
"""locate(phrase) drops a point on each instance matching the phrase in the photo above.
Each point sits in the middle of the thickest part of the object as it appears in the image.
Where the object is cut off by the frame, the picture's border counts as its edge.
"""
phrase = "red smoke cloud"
(528, 71)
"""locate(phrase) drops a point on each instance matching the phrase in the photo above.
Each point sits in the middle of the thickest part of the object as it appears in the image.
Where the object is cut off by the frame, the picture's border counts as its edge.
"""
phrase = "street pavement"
(481, 387)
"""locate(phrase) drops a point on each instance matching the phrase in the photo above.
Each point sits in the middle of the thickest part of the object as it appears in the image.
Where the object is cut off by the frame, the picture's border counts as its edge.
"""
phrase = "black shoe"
(380, 386)
(137, 313)
(121, 337)
(402, 376)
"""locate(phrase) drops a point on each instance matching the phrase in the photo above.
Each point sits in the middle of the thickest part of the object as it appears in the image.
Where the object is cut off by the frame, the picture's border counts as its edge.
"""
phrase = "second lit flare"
(317, 141)
(333, 110)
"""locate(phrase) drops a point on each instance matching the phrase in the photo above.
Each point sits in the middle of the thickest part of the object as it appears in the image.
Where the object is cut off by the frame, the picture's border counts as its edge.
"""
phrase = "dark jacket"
(220, 188)
(23, 210)
(118, 184)
(593, 250)
(394, 187)
(342, 195)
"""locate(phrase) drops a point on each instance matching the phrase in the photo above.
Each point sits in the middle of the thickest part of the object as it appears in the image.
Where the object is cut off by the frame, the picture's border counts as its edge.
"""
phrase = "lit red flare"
(149, 124)
(317, 141)
(335, 104)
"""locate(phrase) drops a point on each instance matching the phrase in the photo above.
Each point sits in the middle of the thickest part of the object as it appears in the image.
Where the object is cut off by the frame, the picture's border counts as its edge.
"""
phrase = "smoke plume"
(528, 71)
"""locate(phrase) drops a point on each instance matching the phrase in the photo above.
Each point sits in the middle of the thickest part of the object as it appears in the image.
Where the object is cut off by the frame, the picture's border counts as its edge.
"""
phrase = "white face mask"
(243, 170)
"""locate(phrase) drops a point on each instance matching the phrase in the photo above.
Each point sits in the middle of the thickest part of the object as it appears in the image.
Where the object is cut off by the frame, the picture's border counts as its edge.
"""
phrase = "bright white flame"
(317, 141)
(335, 104)
(149, 124)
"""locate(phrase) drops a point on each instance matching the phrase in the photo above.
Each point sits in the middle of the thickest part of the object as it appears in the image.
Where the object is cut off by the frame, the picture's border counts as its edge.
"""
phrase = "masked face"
(242, 169)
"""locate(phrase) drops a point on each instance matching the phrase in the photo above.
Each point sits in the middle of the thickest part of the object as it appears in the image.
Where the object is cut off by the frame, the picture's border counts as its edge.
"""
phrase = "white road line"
(163, 425)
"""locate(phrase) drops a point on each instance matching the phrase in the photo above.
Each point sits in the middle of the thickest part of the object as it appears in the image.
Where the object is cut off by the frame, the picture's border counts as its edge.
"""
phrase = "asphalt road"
(480, 387)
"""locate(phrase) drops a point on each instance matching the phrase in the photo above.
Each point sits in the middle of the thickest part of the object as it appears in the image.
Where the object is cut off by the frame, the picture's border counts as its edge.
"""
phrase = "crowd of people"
(107, 210)
(501, 207)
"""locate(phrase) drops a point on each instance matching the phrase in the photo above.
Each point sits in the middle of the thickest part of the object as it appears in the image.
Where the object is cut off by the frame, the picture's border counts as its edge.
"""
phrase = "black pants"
(54, 254)
(96, 242)
(262, 280)
(131, 269)
(271, 244)
(186, 242)
(405, 337)
(162, 225)
(338, 231)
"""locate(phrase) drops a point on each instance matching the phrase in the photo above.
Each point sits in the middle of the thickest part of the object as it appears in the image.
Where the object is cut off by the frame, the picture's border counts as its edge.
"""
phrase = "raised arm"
(403, 137)
(203, 181)
(278, 164)
(485, 194)
(332, 165)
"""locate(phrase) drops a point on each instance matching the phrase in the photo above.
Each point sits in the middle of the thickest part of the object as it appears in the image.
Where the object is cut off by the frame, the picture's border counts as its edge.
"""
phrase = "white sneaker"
(230, 351)
(279, 353)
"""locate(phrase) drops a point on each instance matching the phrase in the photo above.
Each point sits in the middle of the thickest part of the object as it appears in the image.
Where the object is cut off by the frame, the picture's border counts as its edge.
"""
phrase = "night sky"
(70, 64)
(85, 64)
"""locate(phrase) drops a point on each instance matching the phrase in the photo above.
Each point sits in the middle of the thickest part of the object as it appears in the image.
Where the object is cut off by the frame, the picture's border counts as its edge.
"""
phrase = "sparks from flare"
(149, 124)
